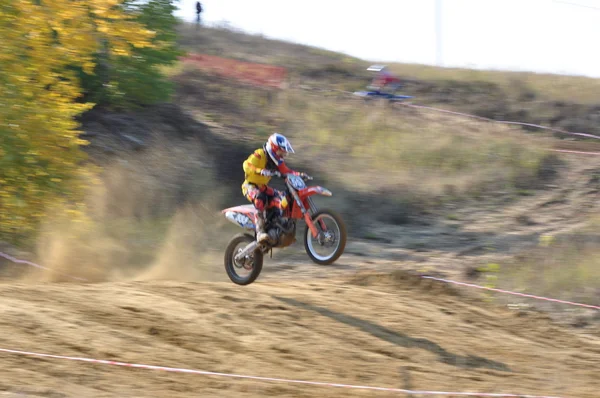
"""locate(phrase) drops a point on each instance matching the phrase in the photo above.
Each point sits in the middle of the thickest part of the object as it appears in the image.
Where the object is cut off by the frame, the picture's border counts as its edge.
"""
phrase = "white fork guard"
(248, 249)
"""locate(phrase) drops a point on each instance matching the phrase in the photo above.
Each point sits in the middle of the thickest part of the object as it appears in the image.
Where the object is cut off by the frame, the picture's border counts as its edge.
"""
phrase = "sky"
(551, 36)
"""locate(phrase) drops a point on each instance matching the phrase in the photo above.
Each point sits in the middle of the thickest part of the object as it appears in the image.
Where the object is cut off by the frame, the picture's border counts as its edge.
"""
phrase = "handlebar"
(305, 177)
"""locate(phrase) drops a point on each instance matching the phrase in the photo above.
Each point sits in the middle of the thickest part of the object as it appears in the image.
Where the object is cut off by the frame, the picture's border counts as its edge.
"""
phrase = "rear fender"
(243, 216)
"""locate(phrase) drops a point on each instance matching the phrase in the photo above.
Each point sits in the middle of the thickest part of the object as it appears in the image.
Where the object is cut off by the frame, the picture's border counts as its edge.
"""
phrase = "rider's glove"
(305, 176)
(269, 173)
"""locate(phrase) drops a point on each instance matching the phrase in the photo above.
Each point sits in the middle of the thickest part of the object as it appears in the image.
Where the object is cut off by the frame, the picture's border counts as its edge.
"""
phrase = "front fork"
(308, 213)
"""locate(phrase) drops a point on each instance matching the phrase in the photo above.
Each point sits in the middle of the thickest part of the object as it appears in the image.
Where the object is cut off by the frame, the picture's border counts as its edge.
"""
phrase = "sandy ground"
(418, 336)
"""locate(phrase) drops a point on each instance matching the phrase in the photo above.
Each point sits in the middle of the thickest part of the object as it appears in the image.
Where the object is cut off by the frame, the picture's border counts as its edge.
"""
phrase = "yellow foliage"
(42, 166)
(546, 240)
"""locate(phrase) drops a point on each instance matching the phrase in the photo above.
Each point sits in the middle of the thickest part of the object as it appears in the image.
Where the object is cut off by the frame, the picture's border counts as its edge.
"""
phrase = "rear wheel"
(246, 270)
(330, 242)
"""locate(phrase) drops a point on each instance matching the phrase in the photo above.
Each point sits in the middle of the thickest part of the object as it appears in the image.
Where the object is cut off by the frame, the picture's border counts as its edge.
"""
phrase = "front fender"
(315, 190)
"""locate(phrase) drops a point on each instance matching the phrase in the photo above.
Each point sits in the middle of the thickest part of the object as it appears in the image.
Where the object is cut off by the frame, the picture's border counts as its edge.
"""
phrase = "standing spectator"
(198, 11)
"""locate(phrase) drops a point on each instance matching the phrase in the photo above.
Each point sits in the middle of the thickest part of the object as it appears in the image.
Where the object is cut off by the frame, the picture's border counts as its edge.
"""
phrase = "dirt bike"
(325, 230)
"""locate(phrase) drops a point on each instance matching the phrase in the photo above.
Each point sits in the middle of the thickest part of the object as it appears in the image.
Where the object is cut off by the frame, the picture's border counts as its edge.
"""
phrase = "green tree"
(136, 80)
(42, 166)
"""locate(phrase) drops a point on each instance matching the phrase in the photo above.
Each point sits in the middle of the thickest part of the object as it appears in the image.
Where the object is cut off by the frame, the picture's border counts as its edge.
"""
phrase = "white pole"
(438, 29)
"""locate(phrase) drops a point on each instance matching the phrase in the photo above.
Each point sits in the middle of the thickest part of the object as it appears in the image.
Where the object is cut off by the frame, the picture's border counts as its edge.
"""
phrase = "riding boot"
(261, 234)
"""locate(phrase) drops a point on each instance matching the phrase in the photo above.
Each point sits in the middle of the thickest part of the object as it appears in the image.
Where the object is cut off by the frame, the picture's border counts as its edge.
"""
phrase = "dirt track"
(420, 336)
(301, 321)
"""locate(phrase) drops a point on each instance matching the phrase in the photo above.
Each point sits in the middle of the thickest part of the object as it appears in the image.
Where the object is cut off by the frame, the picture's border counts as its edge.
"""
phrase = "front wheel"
(329, 245)
(247, 270)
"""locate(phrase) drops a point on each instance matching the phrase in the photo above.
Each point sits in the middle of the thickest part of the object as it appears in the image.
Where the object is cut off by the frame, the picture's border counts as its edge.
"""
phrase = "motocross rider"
(383, 80)
(260, 166)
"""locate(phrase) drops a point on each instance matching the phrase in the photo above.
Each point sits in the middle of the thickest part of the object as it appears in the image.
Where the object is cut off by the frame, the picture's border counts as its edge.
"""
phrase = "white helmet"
(278, 147)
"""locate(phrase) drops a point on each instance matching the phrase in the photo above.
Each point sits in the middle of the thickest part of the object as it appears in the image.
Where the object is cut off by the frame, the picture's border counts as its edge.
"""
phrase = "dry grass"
(310, 61)
(565, 267)
(549, 87)
(152, 215)
(233, 43)
(369, 145)
(392, 145)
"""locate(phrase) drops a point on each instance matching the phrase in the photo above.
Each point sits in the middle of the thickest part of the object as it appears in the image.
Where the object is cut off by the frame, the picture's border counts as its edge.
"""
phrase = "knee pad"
(260, 202)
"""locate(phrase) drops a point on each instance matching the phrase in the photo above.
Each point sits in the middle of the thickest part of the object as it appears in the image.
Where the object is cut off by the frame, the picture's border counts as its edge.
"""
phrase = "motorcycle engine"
(284, 236)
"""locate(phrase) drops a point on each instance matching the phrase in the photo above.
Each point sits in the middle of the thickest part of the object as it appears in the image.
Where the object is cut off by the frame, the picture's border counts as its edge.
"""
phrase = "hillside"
(428, 192)
(567, 102)
(422, 193)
